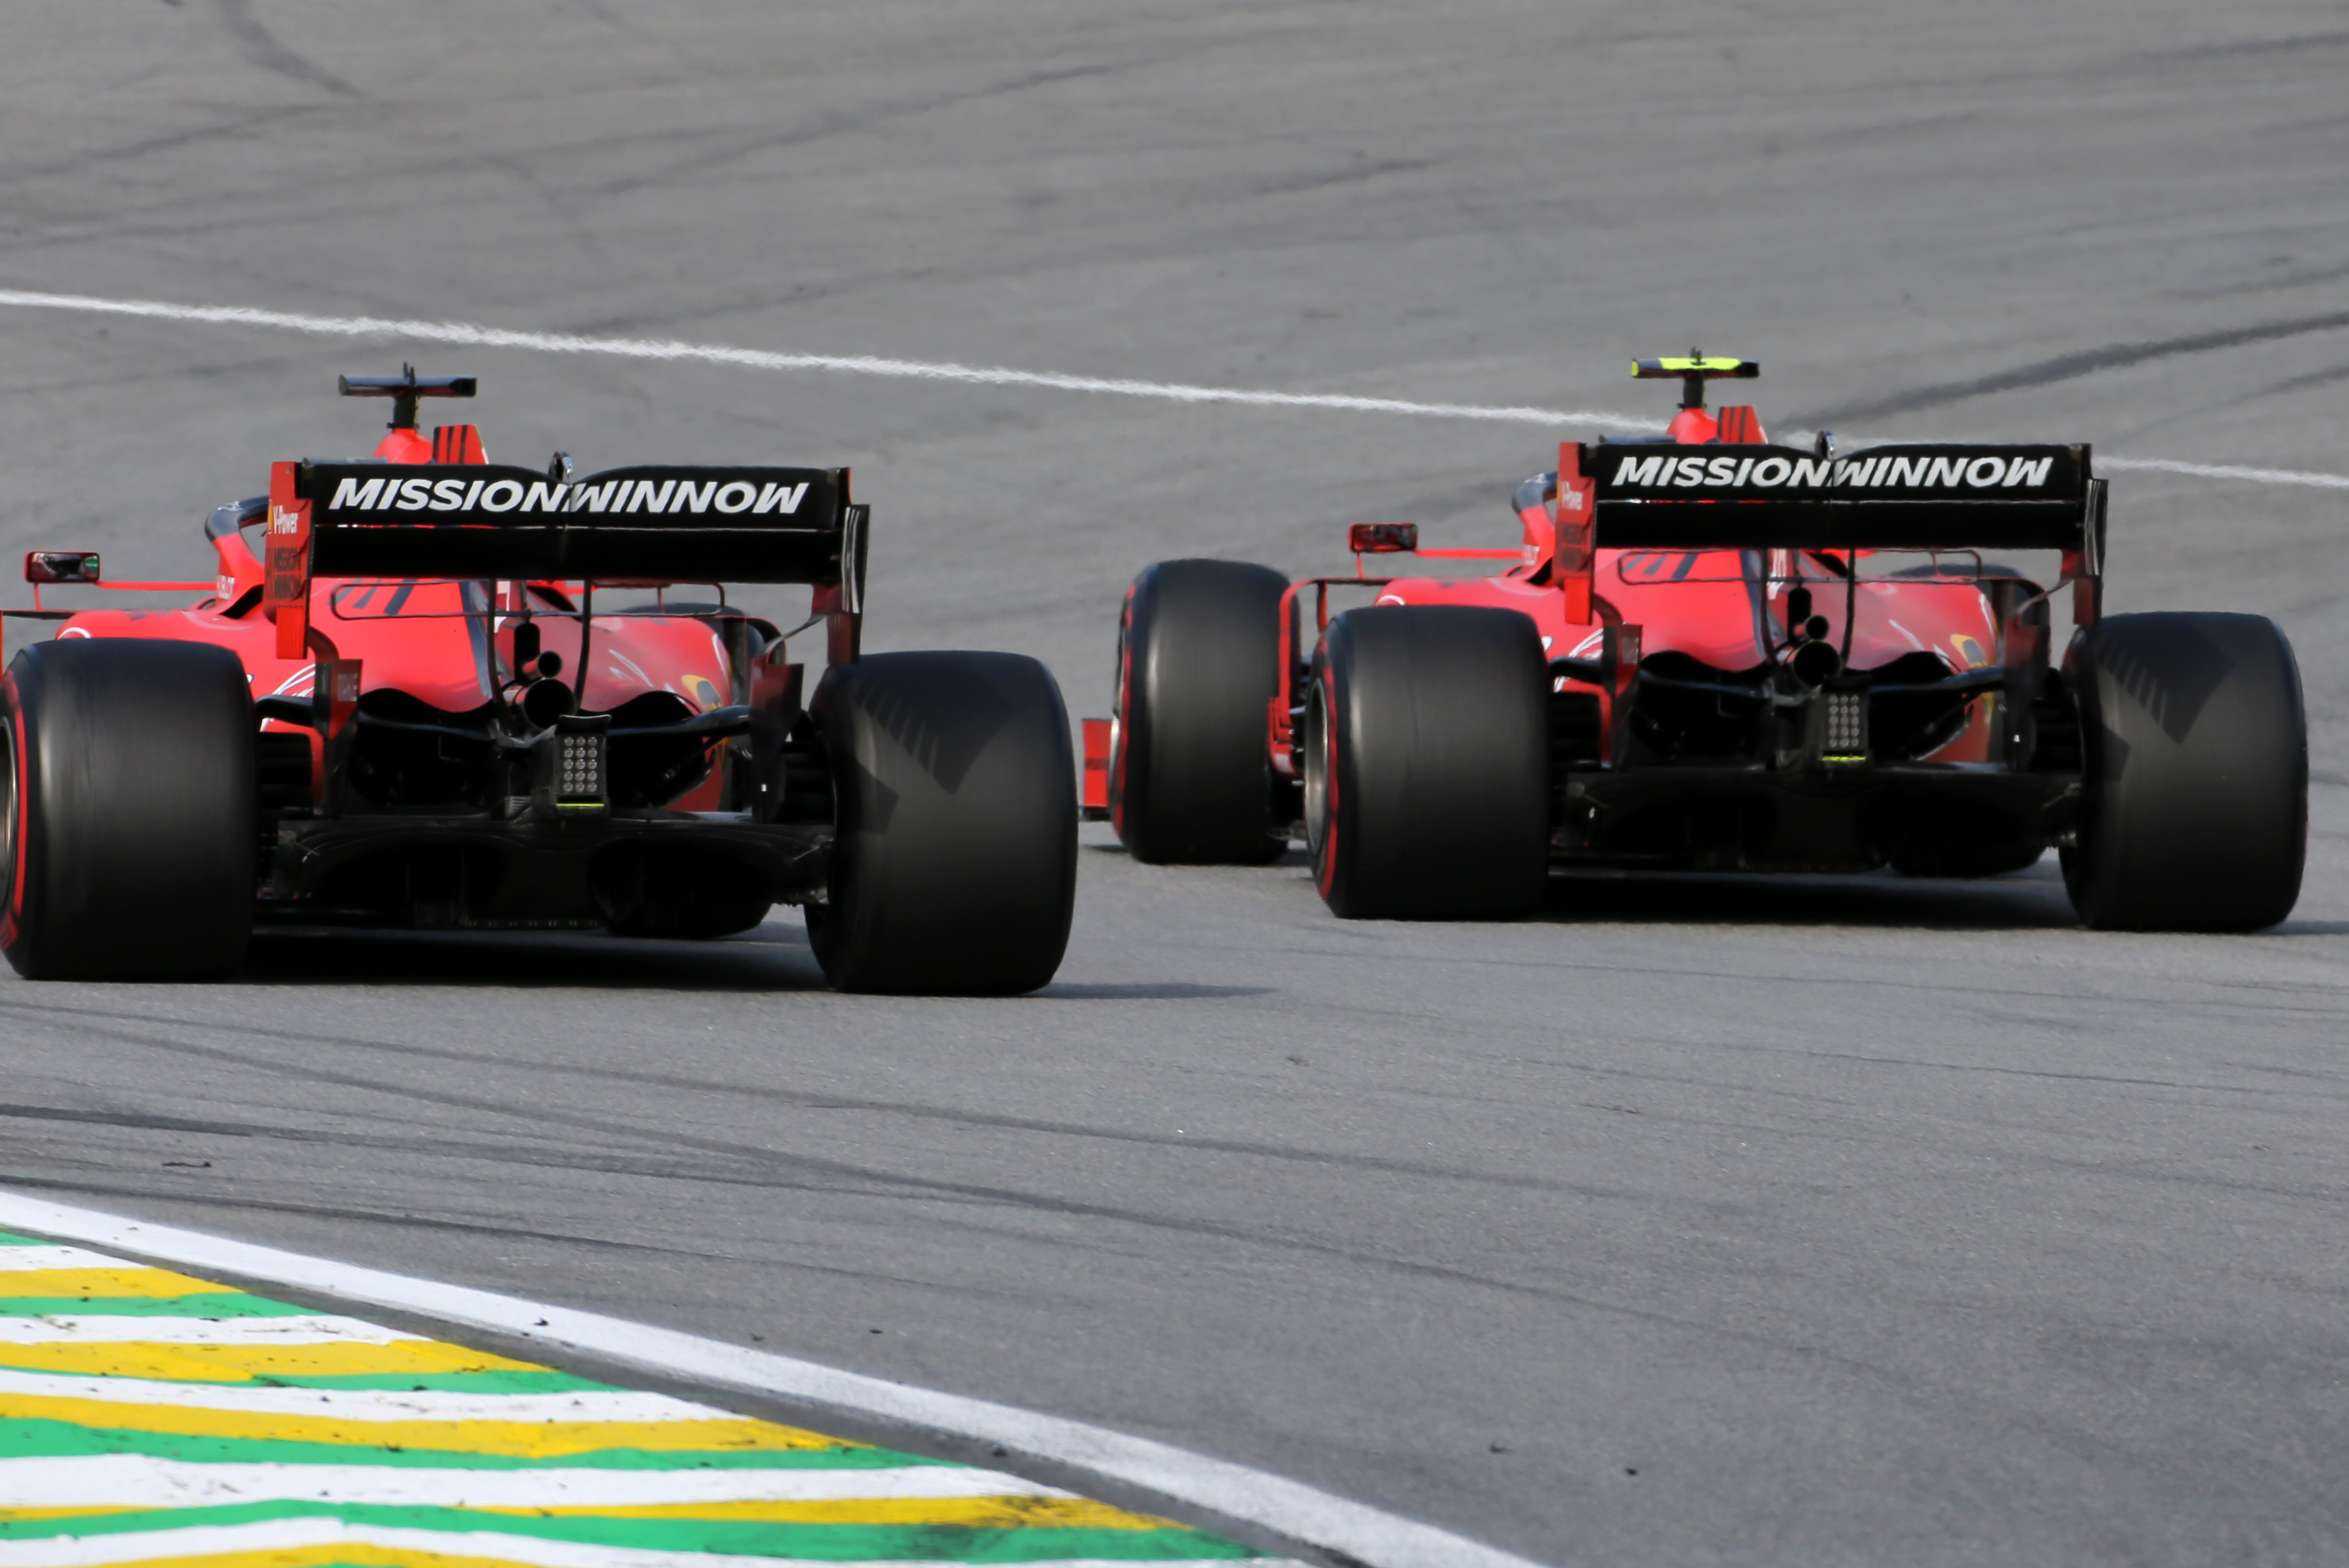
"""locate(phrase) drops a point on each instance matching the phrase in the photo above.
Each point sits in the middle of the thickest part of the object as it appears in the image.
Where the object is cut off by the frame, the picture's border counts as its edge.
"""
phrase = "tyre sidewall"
(135, 817)
(1199, 662)
(954, 853)
(2194, 805)
(1435, 746)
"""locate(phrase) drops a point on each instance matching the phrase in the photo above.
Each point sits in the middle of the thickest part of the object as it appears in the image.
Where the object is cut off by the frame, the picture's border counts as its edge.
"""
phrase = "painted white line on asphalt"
(2226, 470)
(1377, 1539)
(473, 336)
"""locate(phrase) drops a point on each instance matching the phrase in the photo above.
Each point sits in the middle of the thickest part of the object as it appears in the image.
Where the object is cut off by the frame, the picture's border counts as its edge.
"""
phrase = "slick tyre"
(2194, 815)
(1426, 764)
(127, 811)
(1198, 660)
(954, 866)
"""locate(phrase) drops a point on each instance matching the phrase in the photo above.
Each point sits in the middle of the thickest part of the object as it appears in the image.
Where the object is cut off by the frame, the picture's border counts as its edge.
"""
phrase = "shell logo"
(705, 691)
(1970, 652)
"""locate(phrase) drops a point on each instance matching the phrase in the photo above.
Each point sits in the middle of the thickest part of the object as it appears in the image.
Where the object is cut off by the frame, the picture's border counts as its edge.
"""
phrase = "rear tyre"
(127, 812)
(1198, 660)
(2194, 752)
(1426, 764)
(954, 867)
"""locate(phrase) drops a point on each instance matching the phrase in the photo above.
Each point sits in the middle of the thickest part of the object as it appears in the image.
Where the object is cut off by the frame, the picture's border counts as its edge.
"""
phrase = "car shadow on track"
(773, 957)
(1174, 991)
(2030, 899)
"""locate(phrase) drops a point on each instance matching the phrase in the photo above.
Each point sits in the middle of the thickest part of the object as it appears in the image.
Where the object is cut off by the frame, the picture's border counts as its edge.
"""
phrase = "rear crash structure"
(1711, 652)
(408, 708)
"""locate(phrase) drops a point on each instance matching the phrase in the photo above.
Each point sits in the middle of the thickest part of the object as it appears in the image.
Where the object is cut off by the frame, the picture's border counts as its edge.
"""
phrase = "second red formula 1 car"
(1713, 652)
(444, 693)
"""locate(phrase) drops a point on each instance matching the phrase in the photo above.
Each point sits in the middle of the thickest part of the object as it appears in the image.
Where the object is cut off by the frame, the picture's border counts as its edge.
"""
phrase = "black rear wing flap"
(1917, 497)
(653, 523)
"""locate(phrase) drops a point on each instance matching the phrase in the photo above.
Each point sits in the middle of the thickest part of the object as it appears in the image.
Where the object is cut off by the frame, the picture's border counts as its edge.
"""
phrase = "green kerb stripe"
(208, 1307)
(748, 1538)
(392, 1382)
(34, 1439)
(736, 1537)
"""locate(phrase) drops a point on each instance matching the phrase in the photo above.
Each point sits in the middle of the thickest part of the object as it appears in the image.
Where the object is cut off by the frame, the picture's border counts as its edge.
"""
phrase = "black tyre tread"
(2194, 741)
(133, 770)
(1199, 662)
(1439, 741)
(955, 863)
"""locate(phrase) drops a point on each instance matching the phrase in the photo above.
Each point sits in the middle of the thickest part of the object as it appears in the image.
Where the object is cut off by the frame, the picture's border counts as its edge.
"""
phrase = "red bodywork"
(1619, 607)
(490, 708)
(415, 636)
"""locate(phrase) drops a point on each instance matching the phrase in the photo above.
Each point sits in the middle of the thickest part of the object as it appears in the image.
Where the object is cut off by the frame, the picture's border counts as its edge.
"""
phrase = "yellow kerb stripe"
(524, 1439)
(986, 1513)
(241, 1363)
(96, 1282)
(974, 1512)
(356, 1555)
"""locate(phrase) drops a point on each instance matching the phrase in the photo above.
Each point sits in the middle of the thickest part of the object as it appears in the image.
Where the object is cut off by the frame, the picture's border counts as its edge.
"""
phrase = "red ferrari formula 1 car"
(408, 708)
(1717, 653)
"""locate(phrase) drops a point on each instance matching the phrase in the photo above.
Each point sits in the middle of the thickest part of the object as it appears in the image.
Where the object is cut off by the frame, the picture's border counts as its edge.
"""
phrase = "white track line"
(472, 335)
(2224, 470)
(1376, 1538)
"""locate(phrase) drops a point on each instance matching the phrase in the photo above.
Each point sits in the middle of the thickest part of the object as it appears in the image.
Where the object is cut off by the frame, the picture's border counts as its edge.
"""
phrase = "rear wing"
(641, 525)
(1752, 496)
(652, 523)
(1887, 498)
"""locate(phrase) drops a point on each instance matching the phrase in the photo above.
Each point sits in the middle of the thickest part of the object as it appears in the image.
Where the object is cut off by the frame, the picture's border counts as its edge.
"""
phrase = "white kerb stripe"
(24, 1259)
(128, 1328)
(362, 1404)
(296, 1534)
(140, 1480)
(1301, 1512)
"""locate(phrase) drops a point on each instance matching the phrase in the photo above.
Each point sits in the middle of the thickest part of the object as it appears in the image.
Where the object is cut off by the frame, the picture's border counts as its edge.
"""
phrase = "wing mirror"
(61, 567)
(1382, 538)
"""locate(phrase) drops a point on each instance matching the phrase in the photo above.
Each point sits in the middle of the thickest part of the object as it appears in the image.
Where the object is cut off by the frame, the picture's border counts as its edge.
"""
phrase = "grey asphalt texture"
(1703, 1220)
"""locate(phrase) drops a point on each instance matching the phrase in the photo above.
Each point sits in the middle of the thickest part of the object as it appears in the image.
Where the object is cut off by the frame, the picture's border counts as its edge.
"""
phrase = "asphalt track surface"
(1701, 1219)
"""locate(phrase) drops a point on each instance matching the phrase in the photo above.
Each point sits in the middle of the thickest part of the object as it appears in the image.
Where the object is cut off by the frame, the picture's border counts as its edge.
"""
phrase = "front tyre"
(1198, 661)
(954, 866)
(127, 810)
(1427, 764)
(2194, 815)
